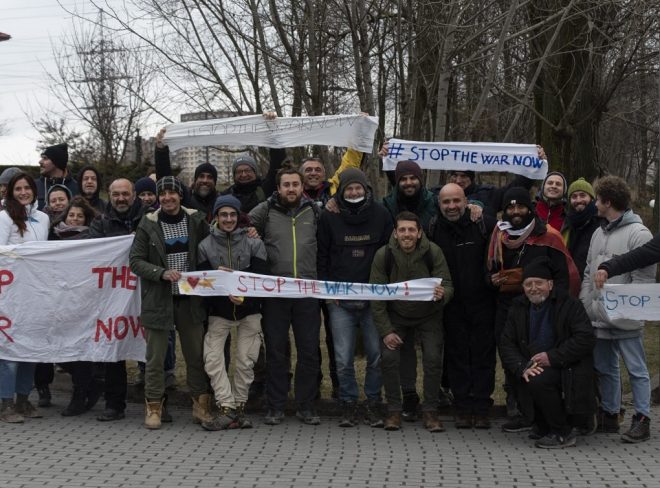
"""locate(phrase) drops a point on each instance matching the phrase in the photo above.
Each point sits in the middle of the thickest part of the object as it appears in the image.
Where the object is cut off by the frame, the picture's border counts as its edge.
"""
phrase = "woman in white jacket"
(20, 222)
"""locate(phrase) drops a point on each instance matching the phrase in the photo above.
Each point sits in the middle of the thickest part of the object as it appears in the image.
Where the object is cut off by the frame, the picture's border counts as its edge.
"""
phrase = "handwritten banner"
(634, 302)
(469, 156)
(66, 301)
(355, 131)
(213, 283)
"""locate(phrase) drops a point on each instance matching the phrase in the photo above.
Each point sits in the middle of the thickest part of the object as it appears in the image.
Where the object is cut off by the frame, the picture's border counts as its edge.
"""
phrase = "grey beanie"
(244, 159)
(8, 174)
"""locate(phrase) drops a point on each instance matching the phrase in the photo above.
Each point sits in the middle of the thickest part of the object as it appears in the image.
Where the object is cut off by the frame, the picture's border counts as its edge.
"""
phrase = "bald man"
(468, 318)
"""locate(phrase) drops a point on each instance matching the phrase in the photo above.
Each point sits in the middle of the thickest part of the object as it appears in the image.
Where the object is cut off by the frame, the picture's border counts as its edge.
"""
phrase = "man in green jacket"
(408, 256)
(165, 246)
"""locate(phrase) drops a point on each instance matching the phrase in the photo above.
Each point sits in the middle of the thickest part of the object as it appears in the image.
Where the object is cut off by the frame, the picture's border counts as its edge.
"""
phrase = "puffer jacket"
(37, 223)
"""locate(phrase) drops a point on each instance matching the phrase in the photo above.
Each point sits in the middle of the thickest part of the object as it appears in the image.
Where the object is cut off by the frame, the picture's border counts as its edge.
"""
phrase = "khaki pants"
(248, 341)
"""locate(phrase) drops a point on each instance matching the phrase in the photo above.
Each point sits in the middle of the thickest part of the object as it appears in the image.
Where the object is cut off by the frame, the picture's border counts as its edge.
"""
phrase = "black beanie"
(470, 174)
(407, 167)
(351, 175)
(517, 195)
(58, 154)
(540, 267)
(206, 168)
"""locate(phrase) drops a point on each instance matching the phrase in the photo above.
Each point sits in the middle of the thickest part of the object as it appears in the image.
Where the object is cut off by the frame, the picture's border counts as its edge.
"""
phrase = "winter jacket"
(618, 237)
(234, 250)
(37, 222)
(408, 266)
(553, 216)
(111, 224)
(43, 185)
(641, 257)
(348, 240)
(572, 351)
(289, 235)
(426, 208)
(577, 240)
(148, 260)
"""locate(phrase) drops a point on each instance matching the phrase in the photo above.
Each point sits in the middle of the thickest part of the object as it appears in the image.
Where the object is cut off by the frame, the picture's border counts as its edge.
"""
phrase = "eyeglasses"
(228, 215)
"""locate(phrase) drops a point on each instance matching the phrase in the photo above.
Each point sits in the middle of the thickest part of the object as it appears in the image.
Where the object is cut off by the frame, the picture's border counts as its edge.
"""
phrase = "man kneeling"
(547, 344)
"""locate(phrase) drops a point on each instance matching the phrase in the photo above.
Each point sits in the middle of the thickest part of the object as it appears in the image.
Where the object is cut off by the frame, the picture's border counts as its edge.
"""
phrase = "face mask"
(355, 200)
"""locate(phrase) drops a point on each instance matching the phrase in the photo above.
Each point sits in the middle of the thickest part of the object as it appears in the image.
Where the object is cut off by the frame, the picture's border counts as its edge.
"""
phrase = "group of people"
(526, 285)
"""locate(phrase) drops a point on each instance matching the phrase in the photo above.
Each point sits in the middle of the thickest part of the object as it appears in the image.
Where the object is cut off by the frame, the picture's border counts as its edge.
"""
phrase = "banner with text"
(237, 283)
(66, 301)
(520, 159)
(634, 302)
(355, 131)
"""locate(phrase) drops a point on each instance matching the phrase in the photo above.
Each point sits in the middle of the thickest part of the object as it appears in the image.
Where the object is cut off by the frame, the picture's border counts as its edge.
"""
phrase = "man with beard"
(409, 193)
(347, 242)
(551, 203)
(121, 217)
(89, 182)
(248, 186)
(581, 222)
(516, 240)
(547, 347)
(469, 318)
(52, 167)
(288, 224)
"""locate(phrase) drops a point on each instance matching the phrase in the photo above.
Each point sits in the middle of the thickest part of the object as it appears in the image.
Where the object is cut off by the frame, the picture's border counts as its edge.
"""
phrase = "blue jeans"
(15, 377)
(345, 323)
(606, 362)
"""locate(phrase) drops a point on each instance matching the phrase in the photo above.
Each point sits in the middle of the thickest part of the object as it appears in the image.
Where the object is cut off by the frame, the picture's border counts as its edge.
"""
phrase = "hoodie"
(95, 201)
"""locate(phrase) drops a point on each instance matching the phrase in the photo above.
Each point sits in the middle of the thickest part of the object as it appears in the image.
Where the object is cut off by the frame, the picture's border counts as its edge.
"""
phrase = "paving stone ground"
(81, 452)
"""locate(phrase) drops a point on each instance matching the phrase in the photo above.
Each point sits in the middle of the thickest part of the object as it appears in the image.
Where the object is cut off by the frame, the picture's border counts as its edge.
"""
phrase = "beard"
(524, 221)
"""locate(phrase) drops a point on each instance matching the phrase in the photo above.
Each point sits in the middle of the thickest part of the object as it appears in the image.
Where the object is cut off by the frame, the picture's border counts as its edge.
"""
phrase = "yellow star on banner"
(207, 283)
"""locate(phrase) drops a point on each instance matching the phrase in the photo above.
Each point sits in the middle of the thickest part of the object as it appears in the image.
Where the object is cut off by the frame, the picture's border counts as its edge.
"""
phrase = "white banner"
(355, 131)
(66, 301)
(633, 302)
(237, 283)
(520, 159)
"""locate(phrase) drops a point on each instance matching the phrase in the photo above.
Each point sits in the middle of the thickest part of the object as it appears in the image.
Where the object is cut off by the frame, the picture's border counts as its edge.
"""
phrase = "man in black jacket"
(469, 318)
(52, 168)
(547, 346)
(89, 182)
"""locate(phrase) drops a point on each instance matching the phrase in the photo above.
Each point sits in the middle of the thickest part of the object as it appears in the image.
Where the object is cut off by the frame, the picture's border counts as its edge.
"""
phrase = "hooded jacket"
(37, 222)
(425, 209)
(616, 238)
(95, 202)
(43, 186)
(646, 255)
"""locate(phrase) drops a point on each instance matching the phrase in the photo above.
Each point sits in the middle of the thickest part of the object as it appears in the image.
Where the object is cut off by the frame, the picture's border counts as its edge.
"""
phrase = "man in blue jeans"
(347, 242)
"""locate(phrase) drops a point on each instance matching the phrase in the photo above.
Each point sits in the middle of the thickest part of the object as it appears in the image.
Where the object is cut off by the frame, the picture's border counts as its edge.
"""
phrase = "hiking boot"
(482, 422)
(556, 441)
(111, 414)
(517, 424)
(372, 414)
(392, 421)
(409, 407)
(463, 421)
(152, 412)
(8, 412)
(640, 429)
(432, 422)
(243, 421)
(225, 419)
(25, 408)
(348, 414)
(44, 397)
(608, 423)
(308, 416)
(273, 417)
(76, 405)
(201, 409)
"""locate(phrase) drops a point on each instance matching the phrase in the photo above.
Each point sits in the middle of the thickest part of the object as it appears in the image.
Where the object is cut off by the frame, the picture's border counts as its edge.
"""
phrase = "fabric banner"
(355, 131)
(66, 301)
(634, 302)
(217, 282)
(520, 159)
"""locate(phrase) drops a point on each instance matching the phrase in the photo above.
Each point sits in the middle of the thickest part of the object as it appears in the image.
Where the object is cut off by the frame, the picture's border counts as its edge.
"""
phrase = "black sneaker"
(274, 417)
(308, 416)
(640, 429)
(111, 414)
(517, 424)
(537, 433)
(372, 415)
(556, 441)
(348, 415)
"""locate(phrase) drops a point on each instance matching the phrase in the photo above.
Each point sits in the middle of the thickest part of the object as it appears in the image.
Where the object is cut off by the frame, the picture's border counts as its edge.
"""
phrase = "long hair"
(78, 202)
(14, 208)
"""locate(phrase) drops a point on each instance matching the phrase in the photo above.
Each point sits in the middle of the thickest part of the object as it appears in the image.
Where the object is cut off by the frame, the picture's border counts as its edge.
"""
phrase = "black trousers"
(115, 385)
(544, 392)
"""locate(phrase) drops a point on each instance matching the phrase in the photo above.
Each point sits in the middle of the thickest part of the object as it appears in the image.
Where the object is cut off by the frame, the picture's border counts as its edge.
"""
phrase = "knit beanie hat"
(517, 195)
(407, 167)
(244, 159)
(554, 173)
(169, 183)
(58, 154)
(145, 184)
(352, 175)
(226, 201)
(581, 185)
(469, 174)
(206, 168)
(8, 174)
(540, 267)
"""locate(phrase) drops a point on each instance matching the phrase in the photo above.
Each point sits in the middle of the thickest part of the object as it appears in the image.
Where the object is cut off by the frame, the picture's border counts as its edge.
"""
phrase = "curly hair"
(78, 202)
(614, 190)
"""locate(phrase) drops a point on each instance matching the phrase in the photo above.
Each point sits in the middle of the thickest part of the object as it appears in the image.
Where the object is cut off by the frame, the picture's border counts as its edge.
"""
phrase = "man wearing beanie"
(228, 246)
(547, 348)
(248, 187)
(347, 243)
(90, 183)
(409, 193)
(581, 222)
(177, 231)
(517, 239)
(551, 203)
(53, 171)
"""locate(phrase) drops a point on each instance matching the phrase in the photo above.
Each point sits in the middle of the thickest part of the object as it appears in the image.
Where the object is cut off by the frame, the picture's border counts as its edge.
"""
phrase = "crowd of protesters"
(525, 286)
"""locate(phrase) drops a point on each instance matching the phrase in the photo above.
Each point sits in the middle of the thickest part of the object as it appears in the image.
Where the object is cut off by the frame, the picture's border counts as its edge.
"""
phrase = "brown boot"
(26, 409)
(393, 421)
(152, 414)
(201, 410)
(8, 412)
(432, 422)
